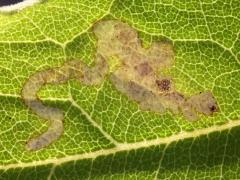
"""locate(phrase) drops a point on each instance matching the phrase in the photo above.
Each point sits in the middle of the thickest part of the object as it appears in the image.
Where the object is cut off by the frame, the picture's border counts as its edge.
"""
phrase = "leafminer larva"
(137, 77)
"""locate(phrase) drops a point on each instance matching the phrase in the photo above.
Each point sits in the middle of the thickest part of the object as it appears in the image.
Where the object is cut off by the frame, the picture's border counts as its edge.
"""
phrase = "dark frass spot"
(9, 2)
(164, 84)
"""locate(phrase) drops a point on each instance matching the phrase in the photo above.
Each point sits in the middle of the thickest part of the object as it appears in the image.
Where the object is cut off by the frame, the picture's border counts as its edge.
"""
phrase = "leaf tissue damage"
(137, 76)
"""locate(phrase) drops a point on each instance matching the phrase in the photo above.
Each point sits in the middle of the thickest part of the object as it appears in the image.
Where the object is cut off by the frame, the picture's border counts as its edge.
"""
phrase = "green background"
(106, 135)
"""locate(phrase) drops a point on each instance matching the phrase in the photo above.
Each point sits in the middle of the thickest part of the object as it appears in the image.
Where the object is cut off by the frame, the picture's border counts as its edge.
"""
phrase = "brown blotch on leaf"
(143, 69)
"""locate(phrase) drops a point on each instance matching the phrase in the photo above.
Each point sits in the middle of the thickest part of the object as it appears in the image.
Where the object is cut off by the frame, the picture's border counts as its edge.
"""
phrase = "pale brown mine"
(137, 77)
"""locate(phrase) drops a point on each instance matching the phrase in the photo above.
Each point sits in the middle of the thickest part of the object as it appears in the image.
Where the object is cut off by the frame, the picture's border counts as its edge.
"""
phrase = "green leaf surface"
(106, 135)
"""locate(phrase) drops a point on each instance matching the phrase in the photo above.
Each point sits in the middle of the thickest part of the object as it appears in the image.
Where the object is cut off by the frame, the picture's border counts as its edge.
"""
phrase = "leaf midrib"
(128, 146)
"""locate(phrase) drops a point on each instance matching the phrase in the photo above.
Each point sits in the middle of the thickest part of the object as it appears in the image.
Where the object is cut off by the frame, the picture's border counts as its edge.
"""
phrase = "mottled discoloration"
(137, 76)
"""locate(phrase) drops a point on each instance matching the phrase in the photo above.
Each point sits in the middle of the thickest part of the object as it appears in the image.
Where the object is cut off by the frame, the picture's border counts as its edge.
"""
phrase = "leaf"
(105, 134)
